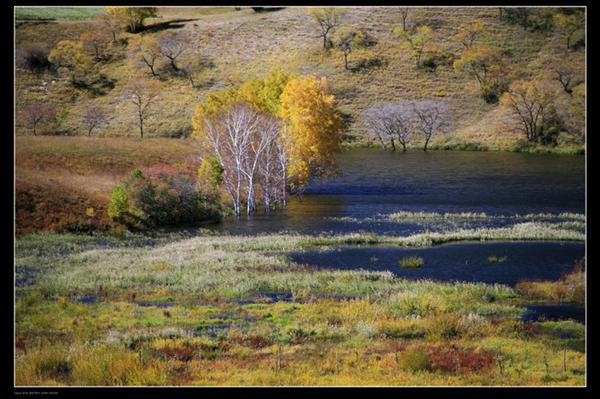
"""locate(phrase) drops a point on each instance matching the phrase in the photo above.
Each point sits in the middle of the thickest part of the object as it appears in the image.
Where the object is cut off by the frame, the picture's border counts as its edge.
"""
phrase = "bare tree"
(37, 113)
(173, 45)
(112, 24)
(391, 122)
(404, 15)
(149, 54)
(431, 118)
(144, 94)
(94, 117)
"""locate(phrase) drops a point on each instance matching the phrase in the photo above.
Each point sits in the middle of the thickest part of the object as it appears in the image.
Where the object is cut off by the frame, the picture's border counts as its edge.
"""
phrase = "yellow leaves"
(315, 127)
(132, 17)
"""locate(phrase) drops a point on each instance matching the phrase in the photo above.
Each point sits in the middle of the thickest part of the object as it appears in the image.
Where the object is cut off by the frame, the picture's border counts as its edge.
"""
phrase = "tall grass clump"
(411, 262)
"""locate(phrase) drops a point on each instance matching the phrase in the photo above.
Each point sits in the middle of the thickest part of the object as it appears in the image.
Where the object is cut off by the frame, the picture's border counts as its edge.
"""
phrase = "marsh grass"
(496, 259)
(411, 262)
(187, 310)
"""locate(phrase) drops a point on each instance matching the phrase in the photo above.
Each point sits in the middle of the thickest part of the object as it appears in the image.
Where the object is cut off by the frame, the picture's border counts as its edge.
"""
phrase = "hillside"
(234, 46)
(238, 45)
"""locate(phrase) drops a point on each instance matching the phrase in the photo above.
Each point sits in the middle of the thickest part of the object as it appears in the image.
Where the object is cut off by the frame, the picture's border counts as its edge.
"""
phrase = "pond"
(374, 182)
(467, 262)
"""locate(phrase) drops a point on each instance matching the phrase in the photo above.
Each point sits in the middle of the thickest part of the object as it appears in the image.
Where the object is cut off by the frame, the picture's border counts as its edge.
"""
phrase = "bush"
(159, 196)
(34, 57)
(415, 360)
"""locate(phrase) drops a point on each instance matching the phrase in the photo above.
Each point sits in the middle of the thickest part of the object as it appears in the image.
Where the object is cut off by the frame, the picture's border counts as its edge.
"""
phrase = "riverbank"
(534, 149)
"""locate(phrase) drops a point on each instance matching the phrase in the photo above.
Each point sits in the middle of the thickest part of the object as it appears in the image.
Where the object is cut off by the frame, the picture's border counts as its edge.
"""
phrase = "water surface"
(466, 262)
(374, 182)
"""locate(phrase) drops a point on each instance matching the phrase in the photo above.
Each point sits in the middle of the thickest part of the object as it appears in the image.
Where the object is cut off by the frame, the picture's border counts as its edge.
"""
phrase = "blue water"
(374, 182)
(466, 262)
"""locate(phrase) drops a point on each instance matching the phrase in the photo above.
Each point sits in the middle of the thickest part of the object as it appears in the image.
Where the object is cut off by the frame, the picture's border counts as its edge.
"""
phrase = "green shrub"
(415, 360)
(160, 196)
(119, 204)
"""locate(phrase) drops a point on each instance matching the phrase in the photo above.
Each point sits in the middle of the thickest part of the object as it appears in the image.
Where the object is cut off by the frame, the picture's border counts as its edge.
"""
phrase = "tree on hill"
(568, 25)
(416, 42)
(531, 104)
(149, 54)
(94, 117)
(111, 23)
(487, 67)
(97, 43)
(328, 19)
(37, 113)
(172, 46)
(348, 40)
(132, 17)
(468, 33)
(404, 12)
(144, 94)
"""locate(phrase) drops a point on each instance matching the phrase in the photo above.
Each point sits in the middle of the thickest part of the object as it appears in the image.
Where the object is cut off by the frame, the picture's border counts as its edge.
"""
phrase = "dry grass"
(238, 45)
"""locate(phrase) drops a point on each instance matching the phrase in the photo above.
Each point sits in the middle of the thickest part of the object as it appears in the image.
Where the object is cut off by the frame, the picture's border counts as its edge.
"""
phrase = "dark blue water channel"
(466, 262)
(374, 182)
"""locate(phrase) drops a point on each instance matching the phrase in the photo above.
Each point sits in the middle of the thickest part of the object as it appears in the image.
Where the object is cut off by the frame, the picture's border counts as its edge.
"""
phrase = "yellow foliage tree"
(487, 66)
(416, 42)
(328, 19)
(314, 128)
(568, 25)
(71, 55)
(132, 17)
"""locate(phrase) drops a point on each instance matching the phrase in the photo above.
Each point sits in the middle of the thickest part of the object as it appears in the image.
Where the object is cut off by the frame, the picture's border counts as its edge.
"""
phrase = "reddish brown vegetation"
(457, 360)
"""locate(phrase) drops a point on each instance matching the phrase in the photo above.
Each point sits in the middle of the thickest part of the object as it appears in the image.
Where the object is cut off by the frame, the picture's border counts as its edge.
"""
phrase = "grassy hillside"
(59, 178)
(238, 45)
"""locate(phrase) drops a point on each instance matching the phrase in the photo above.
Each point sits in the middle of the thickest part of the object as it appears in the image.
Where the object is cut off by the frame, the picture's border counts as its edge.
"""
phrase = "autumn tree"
(96, 43)
(487, 67)
(468, 33)
(269, 134)
(416, 42)
(144, 95)
(568, 25)
(71, 56)
(328, 19)
(315, 125)
(38, 113)
(391, 122)
(531, 104)
(431, 118)
(132, 18)
(94, 117)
